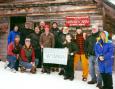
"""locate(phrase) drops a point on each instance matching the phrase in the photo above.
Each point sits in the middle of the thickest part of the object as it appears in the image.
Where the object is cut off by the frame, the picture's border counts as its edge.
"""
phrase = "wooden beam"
(49, 10)
(5, 1)
(42, 4)
(78, 12)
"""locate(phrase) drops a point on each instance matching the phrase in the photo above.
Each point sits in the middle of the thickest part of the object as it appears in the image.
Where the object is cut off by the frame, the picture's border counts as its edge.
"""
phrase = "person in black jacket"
(42, 27)
(55, 30)
(62, 36)
(25, 32)
(35, 44)
(89, 46)
(72, 48)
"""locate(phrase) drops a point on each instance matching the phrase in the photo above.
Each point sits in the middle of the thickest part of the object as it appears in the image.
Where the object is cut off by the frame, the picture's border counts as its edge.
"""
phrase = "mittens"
(101, 58)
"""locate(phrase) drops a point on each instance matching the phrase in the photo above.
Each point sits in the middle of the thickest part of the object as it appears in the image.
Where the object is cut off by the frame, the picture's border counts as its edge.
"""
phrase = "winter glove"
(71, 54)
(33, 63)
(64, 42)
(17, 56)
(101, 58)
(42, 46)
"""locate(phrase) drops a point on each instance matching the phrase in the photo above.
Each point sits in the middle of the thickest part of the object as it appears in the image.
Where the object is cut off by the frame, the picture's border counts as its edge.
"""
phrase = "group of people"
(95, 52)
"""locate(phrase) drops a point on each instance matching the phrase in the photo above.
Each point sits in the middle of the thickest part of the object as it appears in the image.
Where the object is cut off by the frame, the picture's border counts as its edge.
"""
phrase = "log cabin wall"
(4, 26)
(109, 16)
(49, 11)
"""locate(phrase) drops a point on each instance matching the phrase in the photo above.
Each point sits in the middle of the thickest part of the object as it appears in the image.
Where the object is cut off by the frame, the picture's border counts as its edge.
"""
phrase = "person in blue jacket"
(104, 54)
(12, 34)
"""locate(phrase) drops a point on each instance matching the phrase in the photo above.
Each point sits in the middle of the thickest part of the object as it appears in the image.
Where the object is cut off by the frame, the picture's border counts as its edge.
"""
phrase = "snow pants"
(84, 62)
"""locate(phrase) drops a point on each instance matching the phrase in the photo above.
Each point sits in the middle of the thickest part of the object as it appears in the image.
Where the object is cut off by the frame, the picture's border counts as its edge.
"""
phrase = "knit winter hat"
(107, 35)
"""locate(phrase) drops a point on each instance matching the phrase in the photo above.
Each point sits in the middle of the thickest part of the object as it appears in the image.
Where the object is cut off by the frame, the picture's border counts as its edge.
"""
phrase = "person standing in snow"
(62, 39)
(35, 37)
(90, 52)
(104, 54)
(12, 34)
(80, 55)
(56, 32)
(72, 48)
(47, 40)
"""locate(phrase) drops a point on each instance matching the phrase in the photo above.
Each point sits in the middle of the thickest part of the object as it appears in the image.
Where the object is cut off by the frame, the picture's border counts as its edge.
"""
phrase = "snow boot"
(33, 70)
(92, 82)
(22, 69)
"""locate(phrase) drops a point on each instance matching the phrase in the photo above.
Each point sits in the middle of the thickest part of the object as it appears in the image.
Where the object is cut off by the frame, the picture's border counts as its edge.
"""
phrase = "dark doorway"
(17, 20)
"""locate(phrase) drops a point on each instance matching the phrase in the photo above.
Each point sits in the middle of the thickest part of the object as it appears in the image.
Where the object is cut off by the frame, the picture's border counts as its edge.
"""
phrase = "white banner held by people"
(55, 55)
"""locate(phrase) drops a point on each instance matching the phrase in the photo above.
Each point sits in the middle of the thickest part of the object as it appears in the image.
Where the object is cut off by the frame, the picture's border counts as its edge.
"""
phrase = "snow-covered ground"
(10, 80)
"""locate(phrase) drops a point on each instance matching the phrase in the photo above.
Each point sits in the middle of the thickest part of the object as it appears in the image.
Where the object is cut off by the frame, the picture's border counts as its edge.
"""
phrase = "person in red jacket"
(27, 57)
(13, 54)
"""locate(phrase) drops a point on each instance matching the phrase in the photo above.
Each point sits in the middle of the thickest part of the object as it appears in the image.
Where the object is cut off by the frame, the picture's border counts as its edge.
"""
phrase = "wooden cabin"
(13, 12)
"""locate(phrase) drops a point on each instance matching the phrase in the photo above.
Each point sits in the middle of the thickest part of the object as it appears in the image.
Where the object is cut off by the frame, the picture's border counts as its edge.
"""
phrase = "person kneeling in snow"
(72, 47)
(104, 54)
(13, 54)
(27, 57)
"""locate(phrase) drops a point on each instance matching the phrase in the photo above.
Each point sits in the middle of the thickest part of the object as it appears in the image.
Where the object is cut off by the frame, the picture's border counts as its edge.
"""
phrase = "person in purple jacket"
(104, 54)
